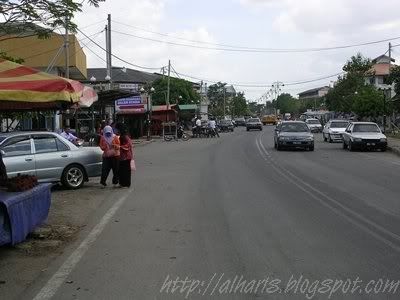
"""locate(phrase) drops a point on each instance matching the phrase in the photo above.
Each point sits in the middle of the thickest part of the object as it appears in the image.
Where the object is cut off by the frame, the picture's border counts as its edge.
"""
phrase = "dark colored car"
(226, 125)
(254, 123)
(240, 122)
(293, 134)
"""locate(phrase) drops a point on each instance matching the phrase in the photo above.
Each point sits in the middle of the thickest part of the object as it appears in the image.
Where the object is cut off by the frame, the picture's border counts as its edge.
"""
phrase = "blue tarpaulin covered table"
(21, 213)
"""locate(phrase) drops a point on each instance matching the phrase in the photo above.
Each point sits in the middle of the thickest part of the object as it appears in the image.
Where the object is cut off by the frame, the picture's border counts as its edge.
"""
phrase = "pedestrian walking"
(126, 156)
(110, 145)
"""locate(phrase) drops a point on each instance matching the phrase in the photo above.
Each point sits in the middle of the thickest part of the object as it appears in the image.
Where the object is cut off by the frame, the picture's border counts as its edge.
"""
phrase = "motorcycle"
(180, 134)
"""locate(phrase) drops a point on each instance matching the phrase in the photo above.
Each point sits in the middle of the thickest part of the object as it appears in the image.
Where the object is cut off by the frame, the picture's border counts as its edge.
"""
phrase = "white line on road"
(356, 221)
(54, 283)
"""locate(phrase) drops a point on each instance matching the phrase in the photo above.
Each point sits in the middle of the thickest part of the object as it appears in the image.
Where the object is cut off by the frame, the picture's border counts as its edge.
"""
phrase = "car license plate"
(370, 144)
(296, 143)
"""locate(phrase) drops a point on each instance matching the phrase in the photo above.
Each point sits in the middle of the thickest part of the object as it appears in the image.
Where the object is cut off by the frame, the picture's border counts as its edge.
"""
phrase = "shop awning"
(22, 84)
(186, 107)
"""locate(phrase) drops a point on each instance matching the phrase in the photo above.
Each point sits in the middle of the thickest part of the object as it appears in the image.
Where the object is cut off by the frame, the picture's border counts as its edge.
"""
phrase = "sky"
(141, 28)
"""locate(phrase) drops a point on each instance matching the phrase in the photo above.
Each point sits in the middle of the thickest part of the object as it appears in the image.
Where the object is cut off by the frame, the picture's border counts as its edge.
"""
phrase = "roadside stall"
(24, 203)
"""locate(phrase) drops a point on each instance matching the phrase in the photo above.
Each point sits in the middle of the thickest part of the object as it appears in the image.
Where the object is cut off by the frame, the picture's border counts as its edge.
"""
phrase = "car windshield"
(313, 122)
(366, 128)
(339, 124)
(294, 127)
(2, 138)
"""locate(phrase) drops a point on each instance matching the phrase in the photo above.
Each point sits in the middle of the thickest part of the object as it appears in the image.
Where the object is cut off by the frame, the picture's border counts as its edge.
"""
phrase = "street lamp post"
(152, 90)
(385, 89)
(92, 81)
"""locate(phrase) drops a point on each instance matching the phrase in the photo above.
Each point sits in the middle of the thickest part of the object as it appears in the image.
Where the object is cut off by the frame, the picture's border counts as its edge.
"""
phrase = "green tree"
(342, 96)
(395, 78)
(368, 102)
(38, 17)
(239, 105)
(22, 18)
(286, 103)
(181, 91)
(215, 94)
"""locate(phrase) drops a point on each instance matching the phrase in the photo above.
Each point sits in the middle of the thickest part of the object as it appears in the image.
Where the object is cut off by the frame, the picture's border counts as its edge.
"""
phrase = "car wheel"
(278, 147)
(73, 177)
(344, 145)
(260, 128)
(383, 149)
(330, 139)
(323, 135)
(311, 148)
(247, 129)
(350, 146)
(275, 145)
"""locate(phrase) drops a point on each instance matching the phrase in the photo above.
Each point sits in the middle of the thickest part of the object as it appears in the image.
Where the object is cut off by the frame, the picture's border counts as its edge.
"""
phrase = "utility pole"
(389, 91)
(275, 91)
(224, 101)
(108, 47)
(66, 48)
(168, 83)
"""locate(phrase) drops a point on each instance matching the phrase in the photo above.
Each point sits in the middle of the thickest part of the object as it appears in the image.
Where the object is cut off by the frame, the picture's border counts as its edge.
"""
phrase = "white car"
(333, 130)
(364, 135)
(314, 124)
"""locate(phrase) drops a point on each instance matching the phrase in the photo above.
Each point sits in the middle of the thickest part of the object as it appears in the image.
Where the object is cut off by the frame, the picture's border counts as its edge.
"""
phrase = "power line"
(258, 50)
(54, 49)
(40, 41)
(267, 85)
(117, 57)
(177, 74)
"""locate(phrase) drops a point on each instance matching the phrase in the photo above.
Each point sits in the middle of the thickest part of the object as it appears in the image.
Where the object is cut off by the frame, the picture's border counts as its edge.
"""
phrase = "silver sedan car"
(49, 157)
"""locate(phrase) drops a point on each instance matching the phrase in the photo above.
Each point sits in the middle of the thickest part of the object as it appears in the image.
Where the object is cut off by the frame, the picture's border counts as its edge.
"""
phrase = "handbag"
(133, 165)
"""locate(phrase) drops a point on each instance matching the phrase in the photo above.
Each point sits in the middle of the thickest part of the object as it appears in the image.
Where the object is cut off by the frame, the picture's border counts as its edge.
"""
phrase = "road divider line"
(55, 282)
(295, 180)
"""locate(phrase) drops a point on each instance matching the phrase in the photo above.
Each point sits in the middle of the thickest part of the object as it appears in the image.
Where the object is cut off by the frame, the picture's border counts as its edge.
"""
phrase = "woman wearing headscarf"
(110, 145)
(125, 159)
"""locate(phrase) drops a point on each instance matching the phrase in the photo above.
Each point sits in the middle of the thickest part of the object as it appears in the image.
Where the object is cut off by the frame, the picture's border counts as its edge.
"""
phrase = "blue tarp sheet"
(22, 212)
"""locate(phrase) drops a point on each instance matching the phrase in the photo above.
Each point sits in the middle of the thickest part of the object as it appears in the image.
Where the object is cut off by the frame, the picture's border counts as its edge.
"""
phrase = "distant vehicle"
(50, 158)
(314, 124)
(225, 126)
(287, 116)
(333, 130)
(269, 119)
(254, 123)
(293, 134)
(240, 121)
(364, 135)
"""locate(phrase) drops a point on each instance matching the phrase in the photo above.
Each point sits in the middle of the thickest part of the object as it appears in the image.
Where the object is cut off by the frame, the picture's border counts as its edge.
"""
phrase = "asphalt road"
(213, 209)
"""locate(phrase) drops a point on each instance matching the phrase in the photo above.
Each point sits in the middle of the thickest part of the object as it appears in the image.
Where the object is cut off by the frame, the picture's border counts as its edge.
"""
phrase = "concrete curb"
(142, 143)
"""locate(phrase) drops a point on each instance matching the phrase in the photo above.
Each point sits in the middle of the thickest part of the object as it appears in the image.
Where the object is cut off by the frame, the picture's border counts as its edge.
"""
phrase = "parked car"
(254, 123)
(293, 134)
(269, 119)
(333, 130)
(314, 124)
(240, 121)
(226, 125)
(364, 135)
(50, 158)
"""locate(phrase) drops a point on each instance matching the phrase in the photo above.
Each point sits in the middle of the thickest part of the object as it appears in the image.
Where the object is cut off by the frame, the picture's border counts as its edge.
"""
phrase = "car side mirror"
(2, 153)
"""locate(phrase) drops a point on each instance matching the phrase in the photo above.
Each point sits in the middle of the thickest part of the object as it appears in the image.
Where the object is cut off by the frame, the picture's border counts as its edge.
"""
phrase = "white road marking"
(302, 185)
(54, 283)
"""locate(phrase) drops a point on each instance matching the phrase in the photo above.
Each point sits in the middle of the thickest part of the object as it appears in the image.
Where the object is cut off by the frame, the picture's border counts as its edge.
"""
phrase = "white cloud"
(283, 23)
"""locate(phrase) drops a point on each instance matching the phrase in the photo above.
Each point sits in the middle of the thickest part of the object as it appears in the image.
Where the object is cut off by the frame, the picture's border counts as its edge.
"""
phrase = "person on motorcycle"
(213, 126)
(66, 134)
